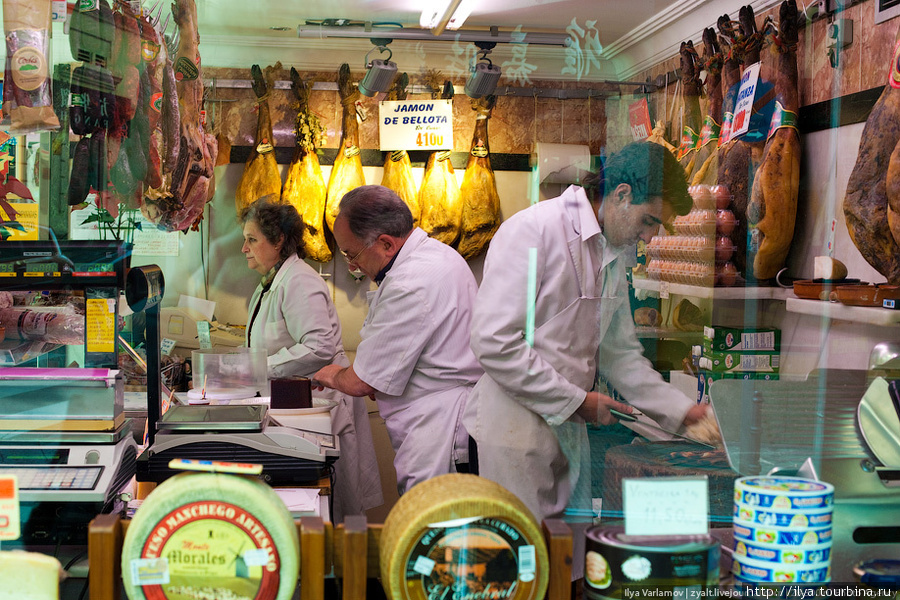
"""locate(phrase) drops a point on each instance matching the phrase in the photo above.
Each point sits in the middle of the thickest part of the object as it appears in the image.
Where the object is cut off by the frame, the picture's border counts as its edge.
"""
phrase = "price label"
(666, 506)
(415, 124)
(203, 334)
(664, 289)
(166, 346)
(9, 508)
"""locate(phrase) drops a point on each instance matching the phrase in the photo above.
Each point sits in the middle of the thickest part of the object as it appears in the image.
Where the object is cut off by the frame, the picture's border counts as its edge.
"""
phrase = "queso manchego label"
(213, 547)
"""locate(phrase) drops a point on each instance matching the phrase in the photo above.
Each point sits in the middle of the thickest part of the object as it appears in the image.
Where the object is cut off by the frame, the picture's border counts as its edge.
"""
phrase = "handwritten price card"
(415, 125)
(666, 506)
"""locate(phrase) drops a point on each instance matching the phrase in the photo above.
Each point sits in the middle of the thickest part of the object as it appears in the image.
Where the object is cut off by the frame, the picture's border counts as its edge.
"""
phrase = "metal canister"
(623, 567)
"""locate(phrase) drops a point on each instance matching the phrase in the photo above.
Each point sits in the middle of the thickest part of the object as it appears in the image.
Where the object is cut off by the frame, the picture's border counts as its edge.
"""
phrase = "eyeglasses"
(352, 259)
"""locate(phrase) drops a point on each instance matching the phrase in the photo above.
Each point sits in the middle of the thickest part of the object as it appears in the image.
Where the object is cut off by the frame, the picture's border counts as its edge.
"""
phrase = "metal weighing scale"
(63, 432)
(238, 433)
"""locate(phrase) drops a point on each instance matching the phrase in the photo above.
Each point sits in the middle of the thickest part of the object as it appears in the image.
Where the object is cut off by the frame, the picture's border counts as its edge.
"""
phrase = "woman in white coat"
(293, 317)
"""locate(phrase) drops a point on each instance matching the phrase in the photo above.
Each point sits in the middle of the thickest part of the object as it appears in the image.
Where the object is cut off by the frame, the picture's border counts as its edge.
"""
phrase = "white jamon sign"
(416, 124)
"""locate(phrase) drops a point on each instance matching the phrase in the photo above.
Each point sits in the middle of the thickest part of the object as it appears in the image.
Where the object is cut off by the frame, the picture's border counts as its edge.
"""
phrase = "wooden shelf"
(667, 333)
(715, 293)
(842, 312)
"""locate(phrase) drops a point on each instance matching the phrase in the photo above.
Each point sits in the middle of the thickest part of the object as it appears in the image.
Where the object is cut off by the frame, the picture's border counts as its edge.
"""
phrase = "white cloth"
(415, 353)
(521, 413)
(298, 326)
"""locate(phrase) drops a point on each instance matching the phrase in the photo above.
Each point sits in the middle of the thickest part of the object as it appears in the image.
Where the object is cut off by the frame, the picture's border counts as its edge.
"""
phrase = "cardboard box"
(706, 378)
(740, 362)
(729, 339)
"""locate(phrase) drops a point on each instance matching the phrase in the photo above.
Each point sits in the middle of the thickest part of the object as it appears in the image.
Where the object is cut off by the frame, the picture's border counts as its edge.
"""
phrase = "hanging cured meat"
(736, 164)
(658, 136)
(480, 200)
(261, 176)
(178, 204)
(304, 187)
(347, 173)
(773, 203)
(872, 202)
(439, 194)
(397, 168)
(690, 110)
(706, 165)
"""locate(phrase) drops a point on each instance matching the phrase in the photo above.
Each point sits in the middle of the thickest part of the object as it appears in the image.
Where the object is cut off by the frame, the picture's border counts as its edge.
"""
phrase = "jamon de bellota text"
(480, 200)
(261, 176)
(304, 187)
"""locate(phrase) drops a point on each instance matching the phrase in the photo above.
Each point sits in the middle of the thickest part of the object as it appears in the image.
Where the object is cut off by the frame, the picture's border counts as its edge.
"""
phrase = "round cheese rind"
(202, 533)
(458, 534)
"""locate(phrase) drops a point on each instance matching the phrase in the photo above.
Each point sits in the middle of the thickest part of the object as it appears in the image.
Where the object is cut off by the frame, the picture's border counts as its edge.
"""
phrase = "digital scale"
(242, 433)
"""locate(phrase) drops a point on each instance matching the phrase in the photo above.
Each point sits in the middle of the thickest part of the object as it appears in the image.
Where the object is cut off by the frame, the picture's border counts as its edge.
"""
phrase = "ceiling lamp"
(380, 74)
(446, 14)
(485, 75)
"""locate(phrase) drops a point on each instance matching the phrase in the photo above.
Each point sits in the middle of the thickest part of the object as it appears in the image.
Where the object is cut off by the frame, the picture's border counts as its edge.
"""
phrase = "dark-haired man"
(551, 312)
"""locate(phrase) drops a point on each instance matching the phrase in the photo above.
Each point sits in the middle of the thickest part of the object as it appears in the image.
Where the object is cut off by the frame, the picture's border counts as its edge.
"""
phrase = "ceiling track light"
(493, 35)
(485, 75)
(380, 74)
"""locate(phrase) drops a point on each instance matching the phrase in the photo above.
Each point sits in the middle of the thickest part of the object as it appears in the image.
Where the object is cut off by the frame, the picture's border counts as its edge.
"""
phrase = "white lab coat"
(521, 413)
(298, 326)
(415, 353)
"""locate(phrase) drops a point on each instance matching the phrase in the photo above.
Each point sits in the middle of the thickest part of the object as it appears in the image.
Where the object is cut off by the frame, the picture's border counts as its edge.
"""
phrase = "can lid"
(878, 571)
(615, 536)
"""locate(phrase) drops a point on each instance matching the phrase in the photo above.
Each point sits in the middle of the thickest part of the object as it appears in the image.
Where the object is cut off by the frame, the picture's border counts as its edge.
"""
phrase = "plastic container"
(235, 374)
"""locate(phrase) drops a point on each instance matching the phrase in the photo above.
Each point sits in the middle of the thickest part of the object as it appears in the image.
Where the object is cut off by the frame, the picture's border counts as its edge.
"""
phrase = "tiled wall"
(516, 124)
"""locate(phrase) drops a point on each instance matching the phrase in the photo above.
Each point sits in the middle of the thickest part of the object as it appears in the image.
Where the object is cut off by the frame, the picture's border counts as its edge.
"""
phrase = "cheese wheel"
(202, 535)
(29, 576)
(457, 535)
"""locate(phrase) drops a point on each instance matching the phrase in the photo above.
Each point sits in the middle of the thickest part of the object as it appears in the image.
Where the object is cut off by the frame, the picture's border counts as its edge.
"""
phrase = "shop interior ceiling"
(633, 34)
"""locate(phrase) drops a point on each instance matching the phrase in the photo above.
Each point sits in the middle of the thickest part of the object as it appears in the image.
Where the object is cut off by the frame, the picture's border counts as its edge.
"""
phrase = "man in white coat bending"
(553, 293)
(414, 356)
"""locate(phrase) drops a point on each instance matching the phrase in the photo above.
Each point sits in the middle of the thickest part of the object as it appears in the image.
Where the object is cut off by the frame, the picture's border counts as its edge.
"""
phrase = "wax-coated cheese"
(215, 535)
(28, 576)
(462, 535)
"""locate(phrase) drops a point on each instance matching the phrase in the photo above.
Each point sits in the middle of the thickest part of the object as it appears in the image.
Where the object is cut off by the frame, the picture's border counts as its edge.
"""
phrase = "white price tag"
(166, 346)
(744, 105)
(663, 289)
(415, 124)
(203, 334)
(666, 506)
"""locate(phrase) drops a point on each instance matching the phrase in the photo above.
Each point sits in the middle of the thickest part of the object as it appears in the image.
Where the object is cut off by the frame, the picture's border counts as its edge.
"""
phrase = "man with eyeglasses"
(414, 357)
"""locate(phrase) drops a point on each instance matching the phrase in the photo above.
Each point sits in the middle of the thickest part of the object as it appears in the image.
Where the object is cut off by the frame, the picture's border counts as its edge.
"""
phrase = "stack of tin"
(782, 530)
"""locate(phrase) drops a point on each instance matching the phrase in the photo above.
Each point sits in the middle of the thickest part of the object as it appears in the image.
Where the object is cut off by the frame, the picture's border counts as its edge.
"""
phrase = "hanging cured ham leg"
(347, 173)
(397, 167)
(773, 202)
(706, 164)
(439, 194)
(872, 202)
(480, 200)
(304, 187)
(261, 176)
(691, 117)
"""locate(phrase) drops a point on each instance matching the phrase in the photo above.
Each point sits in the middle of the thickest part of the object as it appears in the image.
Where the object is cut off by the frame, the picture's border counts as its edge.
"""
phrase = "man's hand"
(595, 409)
(696, 413)
(325, 377)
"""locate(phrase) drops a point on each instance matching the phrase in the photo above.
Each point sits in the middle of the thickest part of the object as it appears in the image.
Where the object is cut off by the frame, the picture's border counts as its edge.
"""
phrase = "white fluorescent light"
(447, 14)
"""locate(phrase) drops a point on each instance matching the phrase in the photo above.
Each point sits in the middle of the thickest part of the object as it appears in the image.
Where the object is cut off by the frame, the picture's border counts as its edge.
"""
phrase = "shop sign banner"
(639, 120)
(416, 124)
(749, 81)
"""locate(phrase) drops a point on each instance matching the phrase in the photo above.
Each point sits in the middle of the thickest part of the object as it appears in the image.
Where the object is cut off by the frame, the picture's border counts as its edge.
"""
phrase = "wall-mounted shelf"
(716, 293)
(667, 333)
(835, 310)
